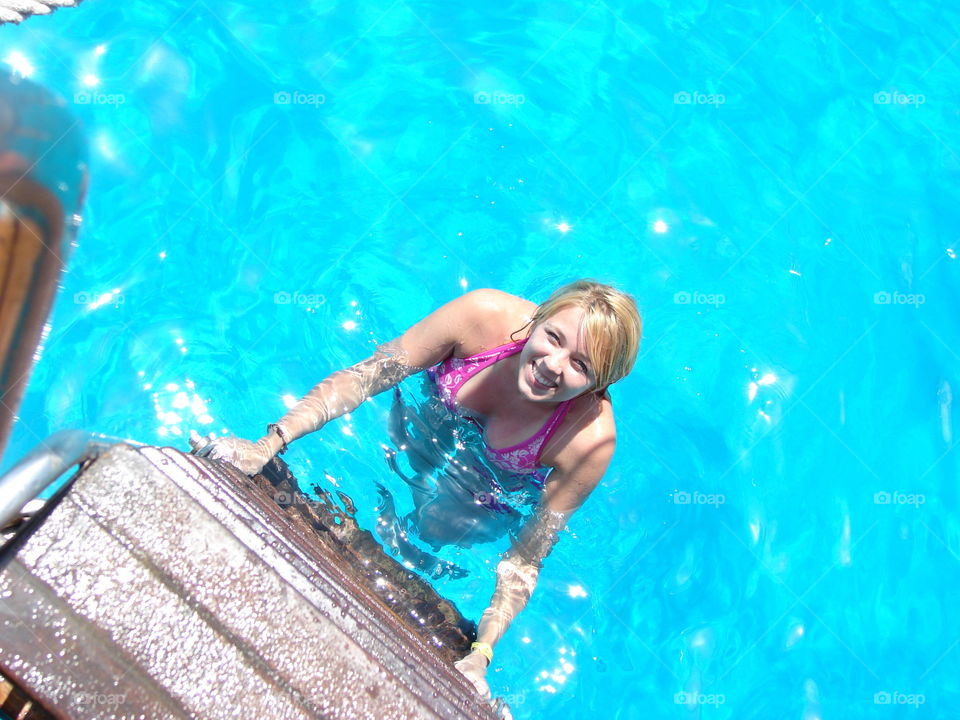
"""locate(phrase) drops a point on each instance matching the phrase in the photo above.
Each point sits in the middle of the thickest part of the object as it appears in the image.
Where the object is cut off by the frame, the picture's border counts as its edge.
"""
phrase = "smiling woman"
(539, 401)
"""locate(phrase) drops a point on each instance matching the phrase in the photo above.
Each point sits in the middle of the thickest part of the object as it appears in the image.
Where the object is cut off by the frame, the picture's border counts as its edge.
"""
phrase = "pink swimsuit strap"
(450, 376)
(454, 372)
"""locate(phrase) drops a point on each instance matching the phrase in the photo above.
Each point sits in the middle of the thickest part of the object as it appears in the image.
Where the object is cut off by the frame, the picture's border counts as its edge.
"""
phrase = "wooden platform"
(168, 586)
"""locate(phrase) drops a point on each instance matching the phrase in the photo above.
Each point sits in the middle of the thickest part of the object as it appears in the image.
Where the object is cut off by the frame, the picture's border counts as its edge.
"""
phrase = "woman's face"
(554, 365)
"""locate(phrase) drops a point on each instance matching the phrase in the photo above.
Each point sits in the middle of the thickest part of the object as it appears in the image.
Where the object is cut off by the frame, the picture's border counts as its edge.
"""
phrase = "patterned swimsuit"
(520, 459)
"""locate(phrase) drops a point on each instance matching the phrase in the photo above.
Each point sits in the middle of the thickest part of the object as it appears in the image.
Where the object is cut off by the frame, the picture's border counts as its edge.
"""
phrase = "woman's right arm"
(430, 341)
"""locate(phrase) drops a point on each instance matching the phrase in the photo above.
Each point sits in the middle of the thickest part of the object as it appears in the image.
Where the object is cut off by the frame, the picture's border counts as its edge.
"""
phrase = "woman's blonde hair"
(611, 322)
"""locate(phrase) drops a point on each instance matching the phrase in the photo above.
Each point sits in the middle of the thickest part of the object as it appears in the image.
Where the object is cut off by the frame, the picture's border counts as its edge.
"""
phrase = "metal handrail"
(40, 467)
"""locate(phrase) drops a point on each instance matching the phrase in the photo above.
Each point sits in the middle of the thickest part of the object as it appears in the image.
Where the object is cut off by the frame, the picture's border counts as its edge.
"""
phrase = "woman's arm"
(430, 341)
(580, 467)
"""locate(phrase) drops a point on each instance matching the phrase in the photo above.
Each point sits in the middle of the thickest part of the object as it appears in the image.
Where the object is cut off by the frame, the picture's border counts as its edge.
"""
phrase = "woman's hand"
(248, 457)
(474, 668)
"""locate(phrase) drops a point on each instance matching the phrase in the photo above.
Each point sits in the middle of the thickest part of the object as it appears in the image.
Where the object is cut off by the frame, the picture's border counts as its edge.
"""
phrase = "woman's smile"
(540, 378)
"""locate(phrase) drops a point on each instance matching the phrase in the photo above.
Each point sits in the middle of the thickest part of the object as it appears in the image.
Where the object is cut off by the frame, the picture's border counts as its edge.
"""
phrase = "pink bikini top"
(452, 373)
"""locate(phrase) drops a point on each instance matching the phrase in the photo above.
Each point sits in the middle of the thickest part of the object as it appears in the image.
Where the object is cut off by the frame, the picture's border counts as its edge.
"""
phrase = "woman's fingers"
(474, 668)
(246, 456)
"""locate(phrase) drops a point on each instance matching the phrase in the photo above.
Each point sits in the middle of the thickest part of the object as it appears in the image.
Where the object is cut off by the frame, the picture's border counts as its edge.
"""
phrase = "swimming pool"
(276, 188)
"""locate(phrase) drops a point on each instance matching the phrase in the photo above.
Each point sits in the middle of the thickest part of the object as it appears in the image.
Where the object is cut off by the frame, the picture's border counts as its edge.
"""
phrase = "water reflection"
(459, 497)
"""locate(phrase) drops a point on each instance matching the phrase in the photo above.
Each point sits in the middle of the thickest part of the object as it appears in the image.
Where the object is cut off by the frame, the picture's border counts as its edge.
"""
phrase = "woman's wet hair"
(611, 324)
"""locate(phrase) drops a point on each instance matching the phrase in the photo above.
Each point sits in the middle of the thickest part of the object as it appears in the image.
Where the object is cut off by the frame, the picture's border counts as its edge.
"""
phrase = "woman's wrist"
(484, 649)
(276, 439)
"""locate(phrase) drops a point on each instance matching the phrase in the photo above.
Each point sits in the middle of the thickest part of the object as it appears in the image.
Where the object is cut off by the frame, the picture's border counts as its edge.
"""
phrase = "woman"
(539, 398)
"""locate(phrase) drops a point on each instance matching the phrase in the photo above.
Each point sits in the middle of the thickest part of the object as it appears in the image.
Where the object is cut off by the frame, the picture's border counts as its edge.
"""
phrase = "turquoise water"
(777, 184)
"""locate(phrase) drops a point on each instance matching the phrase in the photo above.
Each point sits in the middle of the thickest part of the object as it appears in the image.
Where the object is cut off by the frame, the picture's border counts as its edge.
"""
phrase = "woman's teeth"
(542, 380)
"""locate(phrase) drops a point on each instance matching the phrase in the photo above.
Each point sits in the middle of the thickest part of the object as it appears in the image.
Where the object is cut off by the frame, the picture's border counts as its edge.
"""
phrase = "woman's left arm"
(579, 468)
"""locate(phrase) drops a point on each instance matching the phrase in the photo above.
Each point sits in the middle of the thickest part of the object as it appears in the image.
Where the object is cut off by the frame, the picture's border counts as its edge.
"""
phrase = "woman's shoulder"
(498, 301)
(587, 426)
(494, 317)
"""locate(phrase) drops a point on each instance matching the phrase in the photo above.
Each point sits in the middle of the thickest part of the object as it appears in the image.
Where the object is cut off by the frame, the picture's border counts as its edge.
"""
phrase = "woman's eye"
(553, 336)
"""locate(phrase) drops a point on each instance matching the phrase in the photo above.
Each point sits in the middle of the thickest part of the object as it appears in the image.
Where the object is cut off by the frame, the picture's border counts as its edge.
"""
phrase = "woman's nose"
(554, 362)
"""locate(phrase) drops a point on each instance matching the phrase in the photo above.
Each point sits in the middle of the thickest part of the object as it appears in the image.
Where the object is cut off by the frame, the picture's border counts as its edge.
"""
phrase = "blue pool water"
(276, 187)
